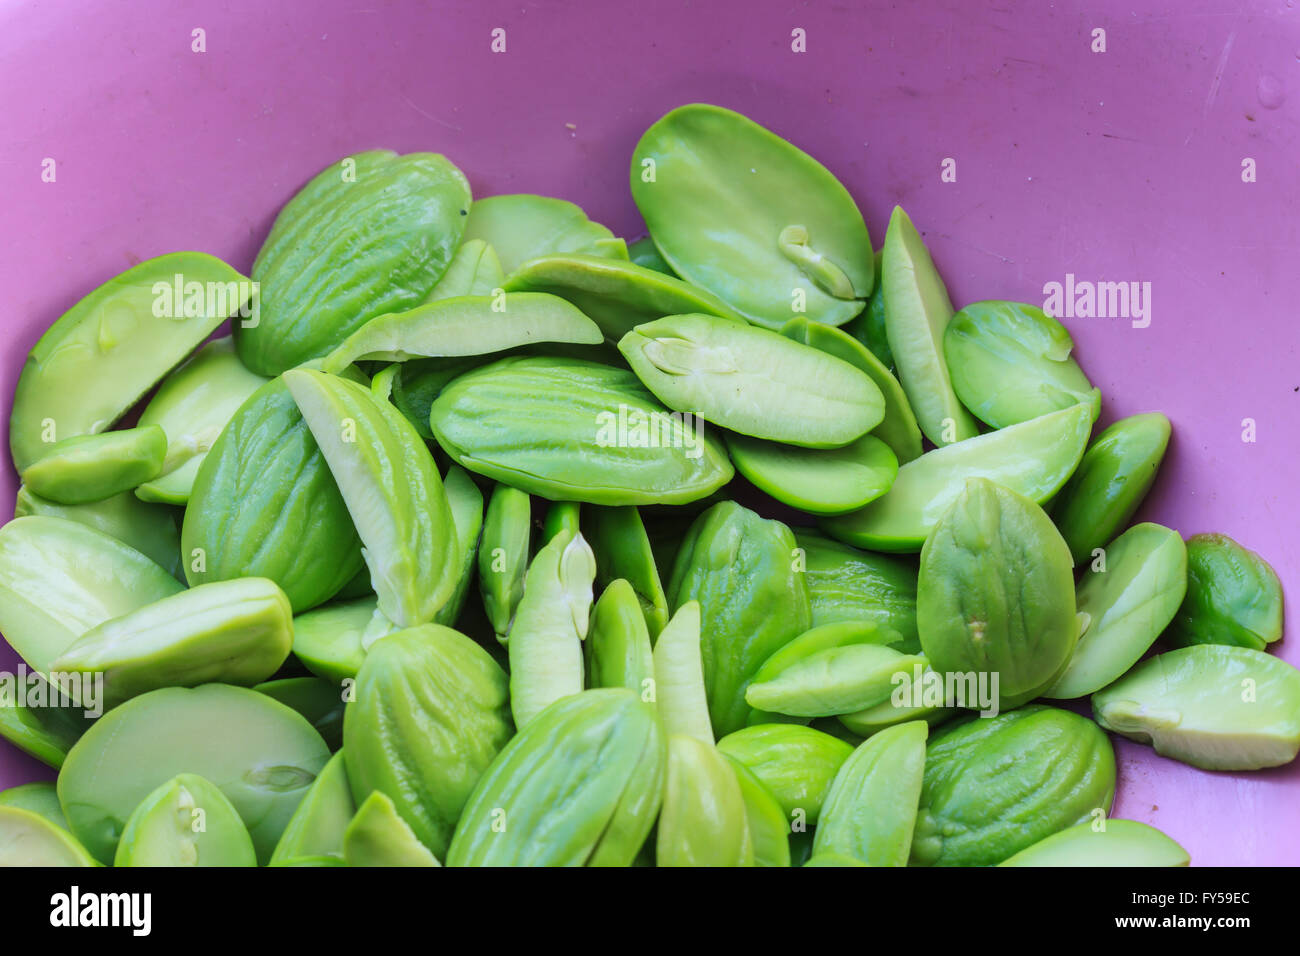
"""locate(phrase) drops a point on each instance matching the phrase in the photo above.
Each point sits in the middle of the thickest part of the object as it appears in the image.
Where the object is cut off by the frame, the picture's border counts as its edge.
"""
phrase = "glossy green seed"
(753, 381)
(1128, 598)
(1113, 843)
(995, 595)
(378, 836)
(430, 714)
(561, 516)
(742, 570)
(917, 311)
(187, 821)
(521, 226)
(768, 828)
(331, 641)
(503, 555)
(59, 579)
(837, 680)
(150, 529)
(29, 839)
(264, 759)
(824, 637)
(1033, 459)
(475, 269)
(588, 772)
(617, 295)
(797, 764)
(234, 632)
(369, 235)
(1113, 477)
(994, 786)
(388, 480)
(738, 211)
(845, 584)
(898, 429)
(1233, 596)
(465, 326)
(870, 811)
(192, 406)
(102, 355)
(922, 696)
(549, 626)
(703, 820)
(1213, 706)
(264, 497)
(1011, 362)
(618, 643)
(820, 481)
(679, 676)
(317, 826)
(94, 467)
(622, 548)
(573, 430)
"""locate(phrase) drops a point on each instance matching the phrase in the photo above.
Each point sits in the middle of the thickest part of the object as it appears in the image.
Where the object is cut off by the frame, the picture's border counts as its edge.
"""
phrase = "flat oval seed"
(1011, 362)
(1033, 458)
(261, 754)
(1113, 477)
(464, 326)
(838, 680)
(759, 223)
(898, 429)
(1233, 596)
(185, 822)
(797, 764)
(1213, 706)
(58, 579)
(28, 839)
(573, 430)
(820, 481)
(870, 811)
(995, 594)
(1116, 843)
(522, 226)
(917, 311)
(618, 645)
(94, 467)
(392, 490)
(109, 349)
(193, 405)
(617, 295)
(235, 632)
(369, 234)
(753, 381)
(1130, 600)
(703, 820)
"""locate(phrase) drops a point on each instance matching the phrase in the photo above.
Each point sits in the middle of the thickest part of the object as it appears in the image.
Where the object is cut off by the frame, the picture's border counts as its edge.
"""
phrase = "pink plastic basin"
(1124, 165)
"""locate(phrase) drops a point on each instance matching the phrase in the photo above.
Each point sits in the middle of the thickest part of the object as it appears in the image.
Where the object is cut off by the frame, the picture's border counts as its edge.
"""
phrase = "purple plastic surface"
(1125, 165)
